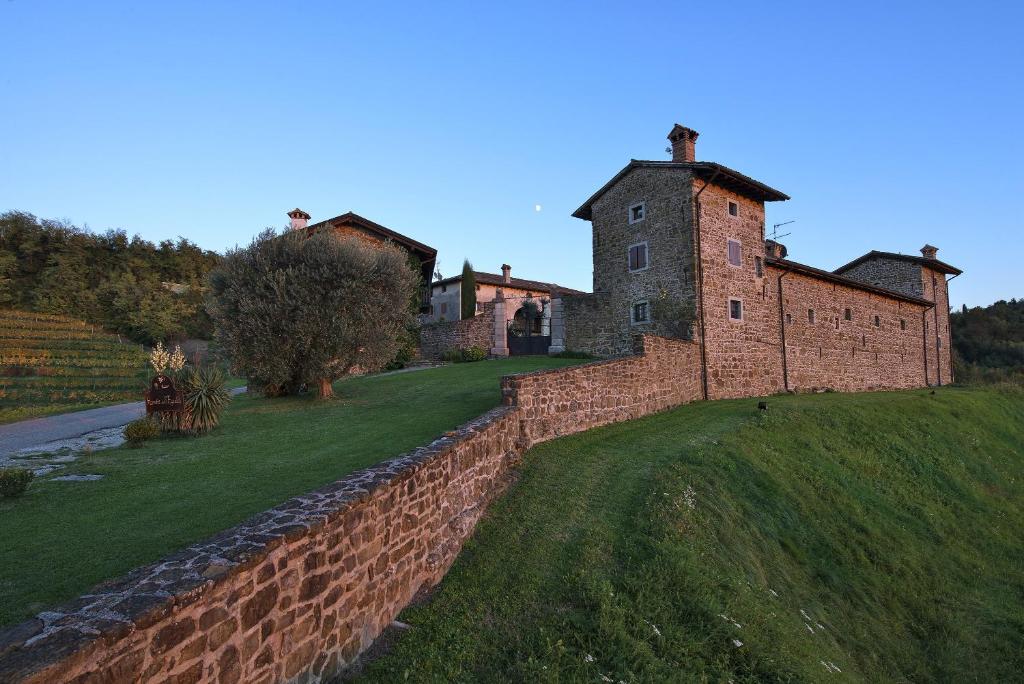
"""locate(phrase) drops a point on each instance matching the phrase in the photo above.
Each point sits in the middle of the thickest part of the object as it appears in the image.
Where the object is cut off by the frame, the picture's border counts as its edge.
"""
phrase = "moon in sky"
(536, 207)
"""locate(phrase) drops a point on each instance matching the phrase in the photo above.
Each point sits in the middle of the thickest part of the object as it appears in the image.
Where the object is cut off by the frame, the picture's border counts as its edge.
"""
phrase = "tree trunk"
(326, 391)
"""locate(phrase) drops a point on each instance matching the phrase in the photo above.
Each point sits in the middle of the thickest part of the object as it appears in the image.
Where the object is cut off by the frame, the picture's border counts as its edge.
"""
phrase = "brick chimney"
(929, 252)
(299, 218)
(684, 141)
(506, 274)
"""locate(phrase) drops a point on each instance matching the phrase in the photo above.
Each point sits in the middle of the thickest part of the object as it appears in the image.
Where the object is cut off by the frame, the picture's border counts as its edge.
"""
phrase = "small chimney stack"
(299, 218)
(775, 250)
(929, 252)
(684, 143)
(506, 274)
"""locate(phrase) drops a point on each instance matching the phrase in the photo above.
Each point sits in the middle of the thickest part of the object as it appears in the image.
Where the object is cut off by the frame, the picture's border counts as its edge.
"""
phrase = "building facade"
(446, 297)
(680, 250)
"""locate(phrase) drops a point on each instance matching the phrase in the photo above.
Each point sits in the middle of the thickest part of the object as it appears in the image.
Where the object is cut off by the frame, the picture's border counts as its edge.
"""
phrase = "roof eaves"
(935, 264)
(707, 170)
(830, 276)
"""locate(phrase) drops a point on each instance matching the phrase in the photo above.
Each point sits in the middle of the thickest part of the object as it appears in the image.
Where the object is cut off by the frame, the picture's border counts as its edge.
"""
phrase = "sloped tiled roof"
(934, 264)
(708, 171)
(831, 277)
(520, 283)
(353, 219)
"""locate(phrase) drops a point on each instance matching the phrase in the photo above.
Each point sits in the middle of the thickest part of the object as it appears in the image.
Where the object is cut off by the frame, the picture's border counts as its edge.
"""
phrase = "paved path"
(29, 433)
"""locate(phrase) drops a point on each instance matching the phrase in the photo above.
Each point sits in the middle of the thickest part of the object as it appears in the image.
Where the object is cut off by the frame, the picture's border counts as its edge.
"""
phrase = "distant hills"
(988, 342)
(144, 291)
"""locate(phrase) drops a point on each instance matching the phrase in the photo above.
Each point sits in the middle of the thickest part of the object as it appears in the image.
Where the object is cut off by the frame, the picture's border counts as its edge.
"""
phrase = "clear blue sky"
(890, 124)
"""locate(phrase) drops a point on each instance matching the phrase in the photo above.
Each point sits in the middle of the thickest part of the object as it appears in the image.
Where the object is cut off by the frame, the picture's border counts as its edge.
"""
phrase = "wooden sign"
(163, 397)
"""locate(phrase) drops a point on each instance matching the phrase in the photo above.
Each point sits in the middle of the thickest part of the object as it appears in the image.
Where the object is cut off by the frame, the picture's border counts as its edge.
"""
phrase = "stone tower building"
(679, 250)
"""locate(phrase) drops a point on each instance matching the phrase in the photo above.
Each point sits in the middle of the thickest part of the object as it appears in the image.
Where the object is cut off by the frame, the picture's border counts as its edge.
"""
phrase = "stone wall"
(297, 593)
(437, 338)
(848, 355)
(589, 325)
(940, 348)
(553, 403)
(601, 323)
(894, 274)
(743, 357)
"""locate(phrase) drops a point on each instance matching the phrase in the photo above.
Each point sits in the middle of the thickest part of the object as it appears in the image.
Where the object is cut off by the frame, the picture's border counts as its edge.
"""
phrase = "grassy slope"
(893, 521)
(63, 537)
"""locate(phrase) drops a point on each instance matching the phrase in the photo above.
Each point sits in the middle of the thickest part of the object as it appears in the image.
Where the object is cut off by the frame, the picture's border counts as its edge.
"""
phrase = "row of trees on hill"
(145, 291)
(989, 341)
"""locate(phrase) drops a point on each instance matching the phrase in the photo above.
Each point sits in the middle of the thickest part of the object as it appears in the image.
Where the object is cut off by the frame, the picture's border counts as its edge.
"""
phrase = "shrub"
(466, 355)
(474, 354)
(452, 356)
(205, 398)
(14, 481)
(293, 310)
(138, 431)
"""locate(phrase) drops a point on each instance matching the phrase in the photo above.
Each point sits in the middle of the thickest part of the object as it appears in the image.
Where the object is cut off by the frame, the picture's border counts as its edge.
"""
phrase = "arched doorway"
(526, 330)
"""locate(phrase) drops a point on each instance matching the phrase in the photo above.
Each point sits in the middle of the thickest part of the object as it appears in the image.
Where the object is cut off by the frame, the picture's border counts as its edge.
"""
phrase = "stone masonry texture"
(297, 593)
(442, 336)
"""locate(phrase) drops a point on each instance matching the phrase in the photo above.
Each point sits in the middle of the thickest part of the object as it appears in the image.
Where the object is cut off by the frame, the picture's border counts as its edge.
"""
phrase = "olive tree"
(292, 310)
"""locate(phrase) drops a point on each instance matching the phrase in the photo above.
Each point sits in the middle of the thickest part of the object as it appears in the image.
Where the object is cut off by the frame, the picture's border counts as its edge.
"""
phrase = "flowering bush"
(163, 360)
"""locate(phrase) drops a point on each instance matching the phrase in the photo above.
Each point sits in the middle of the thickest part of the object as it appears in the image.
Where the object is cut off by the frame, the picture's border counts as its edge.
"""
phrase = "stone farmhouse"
(679, 250)
(446, 296)
(353, 225)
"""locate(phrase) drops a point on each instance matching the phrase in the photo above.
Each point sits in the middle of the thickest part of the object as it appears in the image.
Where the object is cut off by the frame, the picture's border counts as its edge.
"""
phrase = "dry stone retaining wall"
(297, 593)
(438, 338)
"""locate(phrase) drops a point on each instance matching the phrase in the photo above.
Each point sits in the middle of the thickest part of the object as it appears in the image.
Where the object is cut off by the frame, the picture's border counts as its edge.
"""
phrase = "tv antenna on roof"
(775, 230)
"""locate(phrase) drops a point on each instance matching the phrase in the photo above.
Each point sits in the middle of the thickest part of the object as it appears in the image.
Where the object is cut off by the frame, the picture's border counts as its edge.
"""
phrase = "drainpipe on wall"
(782, 329)
(700, 283)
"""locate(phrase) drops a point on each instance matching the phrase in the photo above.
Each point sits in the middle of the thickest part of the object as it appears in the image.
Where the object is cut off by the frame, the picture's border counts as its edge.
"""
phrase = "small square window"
(758, 267)
(903, 324)
(637, 212)
(848, 315)
(735, 310)
(789, 318)
(735, 253)
(638, 257)
(444, 288)
(641, 314)
(734, 209)
(878, 321)
(810, 315)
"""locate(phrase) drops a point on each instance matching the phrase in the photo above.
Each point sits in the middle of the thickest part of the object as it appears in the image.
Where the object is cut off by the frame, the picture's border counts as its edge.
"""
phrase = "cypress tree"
(468, 290)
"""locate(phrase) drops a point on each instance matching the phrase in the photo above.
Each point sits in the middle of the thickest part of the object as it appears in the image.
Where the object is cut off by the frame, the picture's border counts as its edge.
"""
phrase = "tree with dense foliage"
(144, 291)
(468, 290)
(293, 311)
(988, 342)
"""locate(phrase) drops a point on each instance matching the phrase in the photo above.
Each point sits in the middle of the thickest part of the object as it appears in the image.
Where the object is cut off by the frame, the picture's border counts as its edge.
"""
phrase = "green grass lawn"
(61, 538)
(880, 535)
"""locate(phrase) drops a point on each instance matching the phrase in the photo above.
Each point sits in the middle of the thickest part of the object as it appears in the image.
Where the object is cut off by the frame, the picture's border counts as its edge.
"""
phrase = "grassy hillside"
(52, 363)
(865, 537)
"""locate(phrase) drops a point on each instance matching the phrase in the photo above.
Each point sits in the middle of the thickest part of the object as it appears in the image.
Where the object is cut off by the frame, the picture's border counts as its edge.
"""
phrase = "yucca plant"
(205, 398)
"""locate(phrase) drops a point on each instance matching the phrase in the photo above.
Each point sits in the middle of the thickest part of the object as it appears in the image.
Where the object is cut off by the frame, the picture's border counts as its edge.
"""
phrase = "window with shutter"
(638, 257)
(734, 252)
